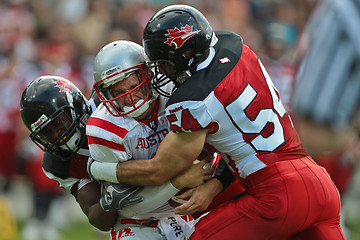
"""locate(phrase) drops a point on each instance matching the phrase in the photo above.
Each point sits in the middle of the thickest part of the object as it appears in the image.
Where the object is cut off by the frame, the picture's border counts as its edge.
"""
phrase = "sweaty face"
(128, 92)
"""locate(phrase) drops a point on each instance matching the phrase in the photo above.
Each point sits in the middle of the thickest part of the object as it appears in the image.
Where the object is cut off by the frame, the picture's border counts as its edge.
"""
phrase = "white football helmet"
(116, 62)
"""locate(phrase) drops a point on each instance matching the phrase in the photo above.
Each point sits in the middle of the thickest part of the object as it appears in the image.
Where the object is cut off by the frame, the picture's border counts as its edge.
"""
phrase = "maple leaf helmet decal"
(50, 99)
(179, 35)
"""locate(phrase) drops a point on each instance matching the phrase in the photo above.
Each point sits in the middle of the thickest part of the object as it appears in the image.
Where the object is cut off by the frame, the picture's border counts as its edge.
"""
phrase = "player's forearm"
(100, 219)
(175, 154)
(134, 172)
(141, 172)
(88, 199)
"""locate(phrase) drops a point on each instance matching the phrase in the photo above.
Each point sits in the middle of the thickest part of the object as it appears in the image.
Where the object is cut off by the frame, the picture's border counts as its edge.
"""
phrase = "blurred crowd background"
(61, 37)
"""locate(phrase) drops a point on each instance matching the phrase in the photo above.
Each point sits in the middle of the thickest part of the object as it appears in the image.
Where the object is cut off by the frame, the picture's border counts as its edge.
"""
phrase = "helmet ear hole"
(171, 54)
(199, 57)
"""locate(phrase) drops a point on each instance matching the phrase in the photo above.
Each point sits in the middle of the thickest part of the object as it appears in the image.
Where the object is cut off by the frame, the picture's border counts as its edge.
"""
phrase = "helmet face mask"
(164, 71)
(60, 131)
(123, 79)
(178, 34)
(55, 112)
(114, 100)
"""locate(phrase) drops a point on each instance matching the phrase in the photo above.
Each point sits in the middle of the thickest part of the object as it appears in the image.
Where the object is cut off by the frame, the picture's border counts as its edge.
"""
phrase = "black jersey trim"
(203, 82)
(58, 166)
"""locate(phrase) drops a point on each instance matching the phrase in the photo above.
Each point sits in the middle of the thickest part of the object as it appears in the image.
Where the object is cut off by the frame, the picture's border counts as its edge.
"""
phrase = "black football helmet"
(176, 39)
(55, 111)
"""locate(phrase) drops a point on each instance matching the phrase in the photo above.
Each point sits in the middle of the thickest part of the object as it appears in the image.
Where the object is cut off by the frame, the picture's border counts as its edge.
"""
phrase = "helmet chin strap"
(138, 112)
(72, 143)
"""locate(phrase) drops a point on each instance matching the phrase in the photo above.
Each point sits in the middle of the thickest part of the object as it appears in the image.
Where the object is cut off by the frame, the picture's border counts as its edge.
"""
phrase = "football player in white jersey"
(55, 111)
(225, 100)
(130, 124)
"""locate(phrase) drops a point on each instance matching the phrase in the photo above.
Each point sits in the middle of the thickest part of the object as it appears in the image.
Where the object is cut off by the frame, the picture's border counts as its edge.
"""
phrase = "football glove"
(117, 196)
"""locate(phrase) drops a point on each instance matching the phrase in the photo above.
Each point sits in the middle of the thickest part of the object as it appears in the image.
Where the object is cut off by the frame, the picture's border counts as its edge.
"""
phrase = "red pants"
(288, 200)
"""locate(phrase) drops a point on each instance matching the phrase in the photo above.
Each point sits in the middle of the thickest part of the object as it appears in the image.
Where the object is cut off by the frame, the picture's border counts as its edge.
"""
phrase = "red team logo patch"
(177, 37)
(64, 86)
(126, 232)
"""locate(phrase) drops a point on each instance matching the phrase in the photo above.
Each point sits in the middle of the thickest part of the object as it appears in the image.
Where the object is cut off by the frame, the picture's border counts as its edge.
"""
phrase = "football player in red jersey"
(224, 100)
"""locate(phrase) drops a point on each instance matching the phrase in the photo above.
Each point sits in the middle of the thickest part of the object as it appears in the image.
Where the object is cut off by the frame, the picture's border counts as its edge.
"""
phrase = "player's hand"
(117, 196)
(199, 198)
(194, 176)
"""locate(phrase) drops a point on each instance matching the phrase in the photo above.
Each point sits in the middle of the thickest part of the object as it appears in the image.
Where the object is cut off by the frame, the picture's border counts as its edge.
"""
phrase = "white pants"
(173, 227)
(137, 232)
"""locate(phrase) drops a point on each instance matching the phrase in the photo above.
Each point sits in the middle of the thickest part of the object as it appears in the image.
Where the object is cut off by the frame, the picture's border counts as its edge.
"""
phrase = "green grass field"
(77, 227)
(77, 231)
(83, 230)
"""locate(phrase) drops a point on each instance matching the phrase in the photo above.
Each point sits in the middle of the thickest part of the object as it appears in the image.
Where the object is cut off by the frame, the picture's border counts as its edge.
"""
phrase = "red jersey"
(235, 98)
(287, 194)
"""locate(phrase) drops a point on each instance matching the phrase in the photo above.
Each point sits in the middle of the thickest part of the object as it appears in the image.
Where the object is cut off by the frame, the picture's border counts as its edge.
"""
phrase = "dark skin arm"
(88, 198)
(176, 153)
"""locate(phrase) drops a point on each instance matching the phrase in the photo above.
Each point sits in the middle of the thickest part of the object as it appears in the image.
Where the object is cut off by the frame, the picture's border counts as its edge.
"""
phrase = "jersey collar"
(155, 114)
(211, 55)
(207, 61)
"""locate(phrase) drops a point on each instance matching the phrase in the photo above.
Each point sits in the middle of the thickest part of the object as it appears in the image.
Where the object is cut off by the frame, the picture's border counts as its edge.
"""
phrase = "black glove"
(117, 196)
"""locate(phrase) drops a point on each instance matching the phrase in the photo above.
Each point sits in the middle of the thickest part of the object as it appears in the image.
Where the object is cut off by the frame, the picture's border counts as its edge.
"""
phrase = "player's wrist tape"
(224, 174)
(104, 171)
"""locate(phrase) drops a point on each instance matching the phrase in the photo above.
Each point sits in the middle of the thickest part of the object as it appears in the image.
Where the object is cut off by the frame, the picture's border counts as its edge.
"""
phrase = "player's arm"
(133, 201)
(176, 153)
(199, 197)
(88, 198)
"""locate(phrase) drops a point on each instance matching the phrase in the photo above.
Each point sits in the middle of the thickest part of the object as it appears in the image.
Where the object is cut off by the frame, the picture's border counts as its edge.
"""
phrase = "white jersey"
(119, 139)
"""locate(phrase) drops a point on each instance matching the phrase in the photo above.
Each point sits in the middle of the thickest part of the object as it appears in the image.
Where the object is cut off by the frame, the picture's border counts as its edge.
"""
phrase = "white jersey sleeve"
(118, 139)
(106, 136)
